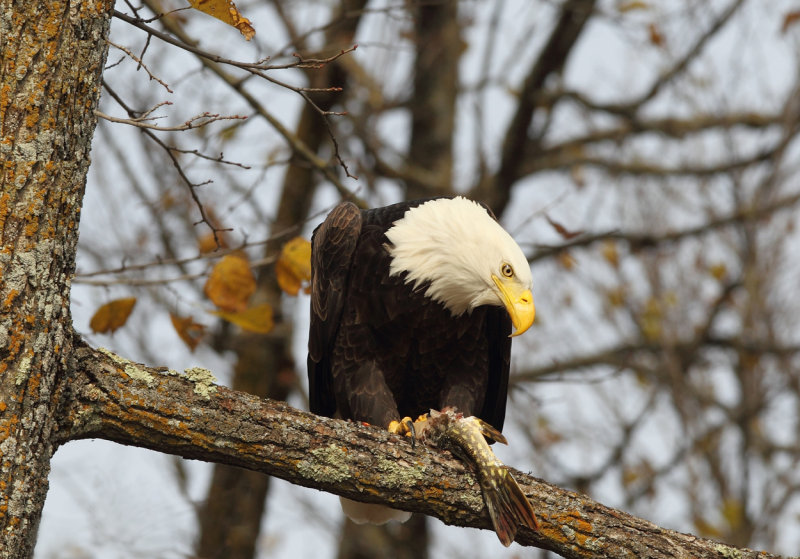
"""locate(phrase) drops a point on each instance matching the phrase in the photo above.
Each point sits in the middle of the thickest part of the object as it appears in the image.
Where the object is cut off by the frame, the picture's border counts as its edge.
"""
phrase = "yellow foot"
(403, 427)
(410, 428)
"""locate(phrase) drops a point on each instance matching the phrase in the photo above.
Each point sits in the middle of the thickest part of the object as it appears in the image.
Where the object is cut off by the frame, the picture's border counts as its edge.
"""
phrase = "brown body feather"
(380, 350)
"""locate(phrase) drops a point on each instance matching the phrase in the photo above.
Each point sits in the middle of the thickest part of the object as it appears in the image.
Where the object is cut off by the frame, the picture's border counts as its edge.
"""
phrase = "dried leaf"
(256, 319)
(294, 265)
(578, 175)
(718, 271)
(545, 433)
(616, 297)
(112, 315)
(566, 260)
(630, 6)
(231, 283)
(561, 230)
(610, 253)
(655, 35)
(188, 330)
(733, 513)
(651, 320)
(705, 528)
(790, 19)
(208, 243)
(226, 10)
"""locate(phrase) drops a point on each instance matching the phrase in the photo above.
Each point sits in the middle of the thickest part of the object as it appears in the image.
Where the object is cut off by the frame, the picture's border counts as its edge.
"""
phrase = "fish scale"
(508, 506)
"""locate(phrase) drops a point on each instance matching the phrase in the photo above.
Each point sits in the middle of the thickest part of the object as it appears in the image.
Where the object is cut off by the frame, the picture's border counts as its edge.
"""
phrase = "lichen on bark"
(52, 59)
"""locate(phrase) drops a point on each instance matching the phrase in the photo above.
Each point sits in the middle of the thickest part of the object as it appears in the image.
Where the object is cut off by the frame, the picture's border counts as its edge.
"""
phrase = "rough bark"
(186, 414)
(52, 59)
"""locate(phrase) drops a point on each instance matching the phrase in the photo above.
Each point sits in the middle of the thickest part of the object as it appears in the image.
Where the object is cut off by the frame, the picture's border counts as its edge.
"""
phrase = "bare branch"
(213, 63)
(629, 108)
(187, 415)
(624, 355)
(644, 240)
(196, 121)
(139, 282)
(258, 68)
(574, 16)
(140, 63)
(204, 218)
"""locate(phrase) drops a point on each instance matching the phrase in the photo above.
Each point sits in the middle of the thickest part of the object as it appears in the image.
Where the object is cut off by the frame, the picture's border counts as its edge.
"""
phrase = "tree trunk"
(53, 57)
(433, 105)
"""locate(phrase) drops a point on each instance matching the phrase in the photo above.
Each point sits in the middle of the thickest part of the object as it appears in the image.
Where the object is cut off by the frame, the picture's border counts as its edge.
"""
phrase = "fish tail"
(508, 506)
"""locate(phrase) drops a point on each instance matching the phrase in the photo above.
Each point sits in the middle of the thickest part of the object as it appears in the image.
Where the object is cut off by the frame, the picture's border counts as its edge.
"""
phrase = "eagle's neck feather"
(448, 244)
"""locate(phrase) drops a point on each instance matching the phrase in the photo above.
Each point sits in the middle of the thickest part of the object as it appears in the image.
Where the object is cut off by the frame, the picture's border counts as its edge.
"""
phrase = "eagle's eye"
(507, 270)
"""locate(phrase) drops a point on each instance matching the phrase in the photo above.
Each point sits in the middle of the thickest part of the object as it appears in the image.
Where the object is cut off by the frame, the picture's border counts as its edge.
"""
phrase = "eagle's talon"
(401, 427)
(409, 424)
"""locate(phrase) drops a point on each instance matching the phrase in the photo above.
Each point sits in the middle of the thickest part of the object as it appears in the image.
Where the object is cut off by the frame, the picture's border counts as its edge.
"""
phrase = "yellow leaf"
(566, 260)
(226, 10)
(256, 319)
(188, 330)
(718, 271)
(616, 297)
(610, 253)
(112, 315)
(651, 319)
(208, 243)
(294, 265)
(231, 283)
(733, 513)
(705, 528)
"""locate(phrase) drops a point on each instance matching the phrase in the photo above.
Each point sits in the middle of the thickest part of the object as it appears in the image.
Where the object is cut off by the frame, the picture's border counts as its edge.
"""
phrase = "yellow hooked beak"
(519, 305)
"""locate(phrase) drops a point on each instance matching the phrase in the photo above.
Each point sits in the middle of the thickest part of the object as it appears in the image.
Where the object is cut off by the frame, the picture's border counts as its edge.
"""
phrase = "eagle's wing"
(332, 246)
(498, 329)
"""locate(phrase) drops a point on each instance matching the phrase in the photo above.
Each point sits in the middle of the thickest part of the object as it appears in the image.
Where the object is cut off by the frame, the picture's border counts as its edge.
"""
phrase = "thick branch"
(185, 414)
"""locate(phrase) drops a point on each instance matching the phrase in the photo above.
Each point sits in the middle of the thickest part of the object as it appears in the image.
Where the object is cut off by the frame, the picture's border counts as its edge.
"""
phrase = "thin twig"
(140, 63)
(197, 121)
(204, 218)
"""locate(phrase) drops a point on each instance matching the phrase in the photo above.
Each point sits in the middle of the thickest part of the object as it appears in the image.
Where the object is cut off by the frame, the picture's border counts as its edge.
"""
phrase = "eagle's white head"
(467, 257)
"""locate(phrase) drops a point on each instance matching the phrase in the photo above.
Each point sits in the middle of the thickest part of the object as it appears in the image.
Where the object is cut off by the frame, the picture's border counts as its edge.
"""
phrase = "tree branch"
(551, 60)
(186, 414)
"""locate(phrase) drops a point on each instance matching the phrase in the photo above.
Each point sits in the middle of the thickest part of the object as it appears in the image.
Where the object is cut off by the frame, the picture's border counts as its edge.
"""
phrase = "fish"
(508, 506)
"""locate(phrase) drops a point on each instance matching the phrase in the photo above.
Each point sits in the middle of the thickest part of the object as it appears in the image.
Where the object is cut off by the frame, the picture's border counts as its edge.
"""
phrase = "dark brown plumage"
(411, 310)
(379, 349)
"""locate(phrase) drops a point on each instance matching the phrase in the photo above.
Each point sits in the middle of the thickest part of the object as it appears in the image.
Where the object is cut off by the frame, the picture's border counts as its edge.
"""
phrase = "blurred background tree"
(644, 154)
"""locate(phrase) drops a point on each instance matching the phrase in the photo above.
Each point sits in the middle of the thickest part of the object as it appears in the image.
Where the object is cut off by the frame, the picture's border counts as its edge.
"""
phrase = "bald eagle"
(412, 307)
